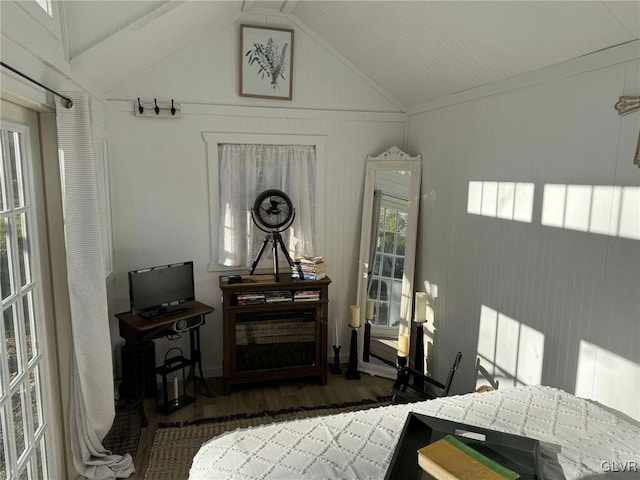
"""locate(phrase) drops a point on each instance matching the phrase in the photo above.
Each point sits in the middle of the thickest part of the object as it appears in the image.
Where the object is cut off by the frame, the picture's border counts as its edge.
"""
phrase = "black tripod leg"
(255, 262)
(276, 269)
(288, 257)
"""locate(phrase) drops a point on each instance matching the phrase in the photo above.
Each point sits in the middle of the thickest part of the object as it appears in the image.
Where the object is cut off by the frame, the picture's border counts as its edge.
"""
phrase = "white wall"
(564, 299)
(158, 167)
(206, 72)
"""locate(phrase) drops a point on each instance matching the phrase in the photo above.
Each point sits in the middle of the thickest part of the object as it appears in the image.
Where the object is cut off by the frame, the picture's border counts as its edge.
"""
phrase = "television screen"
(156, 290)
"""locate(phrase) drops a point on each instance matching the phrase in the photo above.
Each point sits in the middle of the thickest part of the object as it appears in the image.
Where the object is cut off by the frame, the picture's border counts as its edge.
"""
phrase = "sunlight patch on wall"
(608, 378)
(601, 209)
(509, 350)
(506, 200)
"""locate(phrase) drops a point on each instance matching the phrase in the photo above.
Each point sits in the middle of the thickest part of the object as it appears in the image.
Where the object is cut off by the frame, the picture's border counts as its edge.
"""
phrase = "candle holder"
(174, 373)
(401, 367)
(352, 371)
(335, 367)
(368, 316)
(366, 348)
(418, 361)
(402, 361)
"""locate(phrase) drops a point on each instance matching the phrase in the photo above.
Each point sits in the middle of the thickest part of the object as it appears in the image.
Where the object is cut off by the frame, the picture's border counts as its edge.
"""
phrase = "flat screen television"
(160, 290)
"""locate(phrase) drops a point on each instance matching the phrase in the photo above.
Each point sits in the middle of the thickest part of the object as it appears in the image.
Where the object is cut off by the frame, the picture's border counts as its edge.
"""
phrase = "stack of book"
(278, 296)
(312, 268)
(306, 296)
(451, 459)
(250, 298)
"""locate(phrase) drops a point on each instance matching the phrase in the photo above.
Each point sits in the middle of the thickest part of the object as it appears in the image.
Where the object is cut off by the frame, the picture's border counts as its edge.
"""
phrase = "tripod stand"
(276, 239)
(272, 213)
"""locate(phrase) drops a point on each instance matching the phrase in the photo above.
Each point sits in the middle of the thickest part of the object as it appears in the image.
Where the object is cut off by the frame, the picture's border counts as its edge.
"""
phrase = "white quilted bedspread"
(361, 444)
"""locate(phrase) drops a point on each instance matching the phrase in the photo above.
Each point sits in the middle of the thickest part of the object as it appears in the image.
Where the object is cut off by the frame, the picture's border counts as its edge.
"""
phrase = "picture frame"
(636, 159)
(266, 62)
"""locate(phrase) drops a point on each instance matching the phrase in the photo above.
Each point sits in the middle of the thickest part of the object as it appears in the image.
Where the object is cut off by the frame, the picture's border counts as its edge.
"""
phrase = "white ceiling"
(415, 51)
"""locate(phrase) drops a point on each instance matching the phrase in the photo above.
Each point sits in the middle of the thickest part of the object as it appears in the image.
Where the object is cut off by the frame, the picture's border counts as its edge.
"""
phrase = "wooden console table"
(274, 330)
(135, 330)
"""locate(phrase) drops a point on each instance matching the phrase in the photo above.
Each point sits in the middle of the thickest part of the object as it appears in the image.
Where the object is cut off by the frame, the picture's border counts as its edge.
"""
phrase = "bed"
(591, 438)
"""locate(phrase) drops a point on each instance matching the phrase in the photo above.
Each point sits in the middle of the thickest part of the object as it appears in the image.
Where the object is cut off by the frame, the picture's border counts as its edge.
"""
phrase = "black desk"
(135, 330)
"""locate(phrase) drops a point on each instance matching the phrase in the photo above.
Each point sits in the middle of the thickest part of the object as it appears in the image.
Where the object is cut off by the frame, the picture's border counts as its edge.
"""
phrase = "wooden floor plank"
(257, 398)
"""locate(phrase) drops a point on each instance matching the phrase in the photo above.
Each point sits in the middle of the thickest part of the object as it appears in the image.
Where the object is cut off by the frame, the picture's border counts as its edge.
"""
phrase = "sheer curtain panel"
(245, 172)
(92, 407)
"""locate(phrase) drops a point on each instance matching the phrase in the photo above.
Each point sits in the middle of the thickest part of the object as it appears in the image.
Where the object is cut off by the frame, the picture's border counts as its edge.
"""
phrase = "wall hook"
(156, 109)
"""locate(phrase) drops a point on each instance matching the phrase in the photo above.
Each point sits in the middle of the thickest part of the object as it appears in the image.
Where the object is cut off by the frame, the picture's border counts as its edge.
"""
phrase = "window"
(246, 170)
(214, 140)
(23, 425)
(386, 278)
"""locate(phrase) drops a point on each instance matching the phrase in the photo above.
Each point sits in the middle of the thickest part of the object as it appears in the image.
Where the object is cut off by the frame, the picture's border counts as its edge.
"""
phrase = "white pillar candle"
(421, 307)
(369, 311)
(337, 339)
(355, 316)
(403, 345)
(176, 393)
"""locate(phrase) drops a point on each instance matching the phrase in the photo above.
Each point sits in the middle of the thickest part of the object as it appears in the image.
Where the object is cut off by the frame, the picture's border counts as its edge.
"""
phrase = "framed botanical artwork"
(636, 159)
(266, 62)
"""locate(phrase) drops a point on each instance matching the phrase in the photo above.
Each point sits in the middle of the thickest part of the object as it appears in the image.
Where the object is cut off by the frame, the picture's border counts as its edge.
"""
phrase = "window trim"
(214, 139)
(104, 201)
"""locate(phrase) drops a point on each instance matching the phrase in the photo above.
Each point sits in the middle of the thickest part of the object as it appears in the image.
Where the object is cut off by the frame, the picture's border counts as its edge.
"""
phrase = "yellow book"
(451, 459)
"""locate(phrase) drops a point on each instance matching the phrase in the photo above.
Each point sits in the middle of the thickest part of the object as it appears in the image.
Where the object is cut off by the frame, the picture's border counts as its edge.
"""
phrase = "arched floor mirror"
(387, 257)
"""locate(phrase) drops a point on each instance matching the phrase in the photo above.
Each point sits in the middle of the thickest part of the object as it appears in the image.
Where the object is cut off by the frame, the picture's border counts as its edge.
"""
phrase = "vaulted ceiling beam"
(248, 5)
(288, 6)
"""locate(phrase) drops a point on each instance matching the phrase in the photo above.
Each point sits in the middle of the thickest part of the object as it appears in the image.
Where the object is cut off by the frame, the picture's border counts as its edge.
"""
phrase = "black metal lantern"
(174, 375)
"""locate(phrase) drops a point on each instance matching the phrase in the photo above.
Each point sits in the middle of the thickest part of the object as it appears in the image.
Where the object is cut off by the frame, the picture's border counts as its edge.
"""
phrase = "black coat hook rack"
(156, 108)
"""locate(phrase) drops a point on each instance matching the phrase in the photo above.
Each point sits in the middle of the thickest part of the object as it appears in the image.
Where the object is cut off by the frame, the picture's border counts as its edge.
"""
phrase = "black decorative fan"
(273, 213)
(273, 210)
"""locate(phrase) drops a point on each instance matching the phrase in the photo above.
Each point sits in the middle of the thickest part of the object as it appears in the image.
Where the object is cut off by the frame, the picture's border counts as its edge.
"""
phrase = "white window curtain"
(245, 172)
(92, 409)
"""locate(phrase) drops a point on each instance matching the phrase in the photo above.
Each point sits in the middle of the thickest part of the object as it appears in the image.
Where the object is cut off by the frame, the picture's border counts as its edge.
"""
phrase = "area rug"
(124, 435)
(175, 445)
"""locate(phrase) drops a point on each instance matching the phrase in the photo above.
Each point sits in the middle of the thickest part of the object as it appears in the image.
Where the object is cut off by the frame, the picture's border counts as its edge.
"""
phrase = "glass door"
(25, 412)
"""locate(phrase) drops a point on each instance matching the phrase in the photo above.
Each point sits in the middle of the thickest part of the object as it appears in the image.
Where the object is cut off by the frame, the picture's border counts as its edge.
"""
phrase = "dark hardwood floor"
(259, 397)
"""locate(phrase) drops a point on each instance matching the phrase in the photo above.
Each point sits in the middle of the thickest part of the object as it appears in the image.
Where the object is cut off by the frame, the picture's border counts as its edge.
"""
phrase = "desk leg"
(137, 390)
(196, 357)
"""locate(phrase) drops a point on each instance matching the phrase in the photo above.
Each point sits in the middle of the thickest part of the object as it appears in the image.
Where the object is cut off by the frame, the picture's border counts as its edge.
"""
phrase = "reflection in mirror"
(385, 278)
(387, 257)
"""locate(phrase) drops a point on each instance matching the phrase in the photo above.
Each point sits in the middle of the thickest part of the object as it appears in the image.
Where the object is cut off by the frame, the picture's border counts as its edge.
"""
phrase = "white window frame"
(41, 358)
(215, 139)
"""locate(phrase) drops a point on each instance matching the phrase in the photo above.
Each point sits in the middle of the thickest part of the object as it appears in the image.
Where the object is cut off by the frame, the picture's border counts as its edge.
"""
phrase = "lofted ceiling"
(415, 51)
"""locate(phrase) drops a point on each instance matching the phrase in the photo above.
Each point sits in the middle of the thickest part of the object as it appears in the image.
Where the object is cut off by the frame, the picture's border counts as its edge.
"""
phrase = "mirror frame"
(393, 159)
